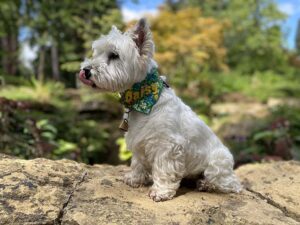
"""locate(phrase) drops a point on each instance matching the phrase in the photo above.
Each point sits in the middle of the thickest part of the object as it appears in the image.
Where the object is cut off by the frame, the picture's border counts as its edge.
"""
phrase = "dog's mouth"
(85, 78)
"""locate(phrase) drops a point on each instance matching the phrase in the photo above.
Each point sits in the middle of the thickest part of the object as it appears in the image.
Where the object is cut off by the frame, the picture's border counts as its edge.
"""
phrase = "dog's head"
(119, 59)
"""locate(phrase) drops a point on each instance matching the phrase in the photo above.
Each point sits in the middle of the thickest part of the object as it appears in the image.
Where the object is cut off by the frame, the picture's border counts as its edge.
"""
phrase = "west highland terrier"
(167, 139)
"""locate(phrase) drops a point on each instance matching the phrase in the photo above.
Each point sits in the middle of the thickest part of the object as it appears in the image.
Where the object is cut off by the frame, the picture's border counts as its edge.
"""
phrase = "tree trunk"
(298, 38)
(55, 62)
(41, 66)
(9, 59)
(4, 58)
(13, 54)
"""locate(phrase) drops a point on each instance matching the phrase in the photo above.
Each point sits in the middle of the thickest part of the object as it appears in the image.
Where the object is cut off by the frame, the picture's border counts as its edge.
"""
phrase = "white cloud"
(130, 14)
(288, 8)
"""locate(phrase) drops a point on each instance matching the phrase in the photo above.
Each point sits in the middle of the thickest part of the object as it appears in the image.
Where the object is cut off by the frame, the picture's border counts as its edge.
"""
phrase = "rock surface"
(42, 191)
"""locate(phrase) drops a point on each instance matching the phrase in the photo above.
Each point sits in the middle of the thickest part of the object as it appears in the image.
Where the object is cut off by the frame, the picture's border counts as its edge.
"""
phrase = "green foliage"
(48, 131)
(90, 137)
(188, 43)
(210, 88)
(38, 91)
(277, 136)
(71, 66)
(9, 17)
(10, 21)
(204, 118)
(254, 38)
(34, 129)
(69, 26)
(15, 80)
(86, 95)
(64, 147)
(260, 85)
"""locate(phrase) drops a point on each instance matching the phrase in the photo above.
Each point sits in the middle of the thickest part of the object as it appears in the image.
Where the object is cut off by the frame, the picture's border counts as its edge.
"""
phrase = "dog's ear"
(143, 38)
(114, 29)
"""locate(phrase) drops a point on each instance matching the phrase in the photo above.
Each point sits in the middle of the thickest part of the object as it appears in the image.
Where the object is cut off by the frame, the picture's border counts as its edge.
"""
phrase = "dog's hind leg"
(219, 174)
(167, 171)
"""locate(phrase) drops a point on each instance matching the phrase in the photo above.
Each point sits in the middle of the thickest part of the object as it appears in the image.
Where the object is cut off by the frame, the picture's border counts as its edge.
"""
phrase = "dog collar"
(142, 96)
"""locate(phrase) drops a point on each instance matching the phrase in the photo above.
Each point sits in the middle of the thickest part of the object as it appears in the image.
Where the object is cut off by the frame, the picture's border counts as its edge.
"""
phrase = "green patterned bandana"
(143, 95)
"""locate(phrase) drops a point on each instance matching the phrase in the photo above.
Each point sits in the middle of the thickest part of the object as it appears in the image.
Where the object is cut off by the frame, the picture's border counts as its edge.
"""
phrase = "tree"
(298, 38)
(187, 43)
(254, 37)
(9, 31)
(63, 30)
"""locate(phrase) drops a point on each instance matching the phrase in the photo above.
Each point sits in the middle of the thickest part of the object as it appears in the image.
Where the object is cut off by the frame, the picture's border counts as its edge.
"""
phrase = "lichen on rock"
(43, 191)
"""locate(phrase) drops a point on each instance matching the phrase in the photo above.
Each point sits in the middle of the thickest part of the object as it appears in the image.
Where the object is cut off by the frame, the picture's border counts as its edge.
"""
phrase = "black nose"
(87, 73)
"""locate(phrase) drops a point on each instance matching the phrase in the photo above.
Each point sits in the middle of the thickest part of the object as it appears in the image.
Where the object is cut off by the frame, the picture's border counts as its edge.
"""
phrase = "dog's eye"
(112, 56)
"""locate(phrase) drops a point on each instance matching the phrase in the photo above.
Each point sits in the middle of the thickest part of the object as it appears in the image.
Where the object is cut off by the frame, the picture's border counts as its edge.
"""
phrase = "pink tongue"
(84, 80)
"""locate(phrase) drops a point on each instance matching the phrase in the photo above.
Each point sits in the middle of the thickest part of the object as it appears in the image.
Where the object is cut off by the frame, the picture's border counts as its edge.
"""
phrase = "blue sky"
(132, 10)
(292, 9)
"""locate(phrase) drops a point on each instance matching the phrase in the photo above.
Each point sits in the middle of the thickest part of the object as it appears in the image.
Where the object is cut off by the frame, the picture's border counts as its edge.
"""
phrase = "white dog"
(167, 139)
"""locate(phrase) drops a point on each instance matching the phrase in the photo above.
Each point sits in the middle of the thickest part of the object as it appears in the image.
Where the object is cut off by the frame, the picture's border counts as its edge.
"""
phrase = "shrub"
(37, 91)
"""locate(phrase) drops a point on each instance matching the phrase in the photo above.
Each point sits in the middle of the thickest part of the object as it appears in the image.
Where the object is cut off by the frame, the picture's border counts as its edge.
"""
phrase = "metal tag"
(124, 125)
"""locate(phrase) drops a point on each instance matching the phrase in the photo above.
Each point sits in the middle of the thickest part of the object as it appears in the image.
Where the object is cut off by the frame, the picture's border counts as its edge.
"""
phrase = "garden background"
(236, 63)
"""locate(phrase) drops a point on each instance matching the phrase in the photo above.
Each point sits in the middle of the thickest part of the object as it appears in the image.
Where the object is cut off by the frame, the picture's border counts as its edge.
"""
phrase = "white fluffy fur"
(172, 142)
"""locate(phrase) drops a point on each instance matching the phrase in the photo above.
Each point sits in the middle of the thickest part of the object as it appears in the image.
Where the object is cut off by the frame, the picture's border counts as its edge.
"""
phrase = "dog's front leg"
(138, 176)
(167, 171)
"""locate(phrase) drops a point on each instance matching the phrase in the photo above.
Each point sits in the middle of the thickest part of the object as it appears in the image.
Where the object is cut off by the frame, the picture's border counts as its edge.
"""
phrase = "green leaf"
(65, 147)
(124, 154)
(263, 135)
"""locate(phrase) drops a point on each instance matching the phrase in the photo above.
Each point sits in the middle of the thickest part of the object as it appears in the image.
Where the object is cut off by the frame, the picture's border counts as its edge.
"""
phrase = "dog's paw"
(205, 186)
(158, 196)
(135, 181)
